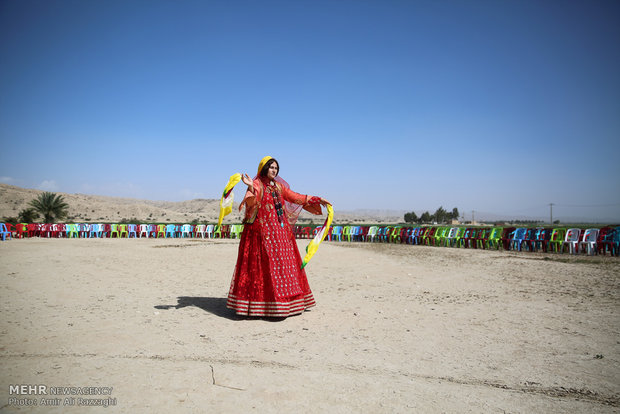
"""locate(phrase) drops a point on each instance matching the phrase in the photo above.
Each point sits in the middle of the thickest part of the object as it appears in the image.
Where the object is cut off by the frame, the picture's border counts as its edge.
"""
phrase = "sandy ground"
(396, 329)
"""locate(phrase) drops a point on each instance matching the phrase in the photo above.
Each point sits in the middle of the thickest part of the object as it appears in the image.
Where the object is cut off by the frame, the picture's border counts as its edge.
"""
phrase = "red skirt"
(268, 279)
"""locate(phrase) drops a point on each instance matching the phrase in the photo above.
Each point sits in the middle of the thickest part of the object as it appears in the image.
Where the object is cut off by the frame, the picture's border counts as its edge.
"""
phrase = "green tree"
(425, 217)
(455, 213)
(411, 217)
(441, 215)
(51, 206)
(27, 215)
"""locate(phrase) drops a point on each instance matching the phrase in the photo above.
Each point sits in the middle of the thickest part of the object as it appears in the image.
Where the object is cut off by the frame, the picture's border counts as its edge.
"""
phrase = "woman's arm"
(309, 203)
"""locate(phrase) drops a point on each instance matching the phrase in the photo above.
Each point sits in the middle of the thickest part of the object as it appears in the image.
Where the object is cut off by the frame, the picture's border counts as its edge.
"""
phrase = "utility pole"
(551, 213)
(472, 217)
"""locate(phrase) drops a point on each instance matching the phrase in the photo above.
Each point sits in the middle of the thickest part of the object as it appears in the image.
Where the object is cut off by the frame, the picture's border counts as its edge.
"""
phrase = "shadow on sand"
(216, 306)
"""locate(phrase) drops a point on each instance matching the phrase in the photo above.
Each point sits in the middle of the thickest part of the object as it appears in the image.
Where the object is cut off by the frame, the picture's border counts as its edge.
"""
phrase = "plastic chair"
(144, 229)
(161, 231)
(469, 238)
(83, 230)
(71, 230)
(210, 231)
(363, 233)
(60, 230)
(235, 231)
(4, 232)
(372, 233)
(337, 233)
(95, 230)
(555, 241)
(346, 233)
(506, 238)
(171, 231)
(201, 229)
(590, 237)
(403, 236)
(107, 228)
(495, 238)
(21, 230)
(45, 230)
(482, 238)
(33, 229)
(428, 235)
(517, 238)
(572, 240)
(222, 231)
(113, 231)
(394, 234)
(530, 239)
(543, 237)
(605, 239)
(186, 231)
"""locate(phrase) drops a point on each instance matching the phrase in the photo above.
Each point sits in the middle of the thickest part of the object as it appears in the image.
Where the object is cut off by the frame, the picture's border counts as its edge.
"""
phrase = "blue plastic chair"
(517, 238)
(132, 229)
(171, 231)
(95, 230)
(337, 233)
(4, 232)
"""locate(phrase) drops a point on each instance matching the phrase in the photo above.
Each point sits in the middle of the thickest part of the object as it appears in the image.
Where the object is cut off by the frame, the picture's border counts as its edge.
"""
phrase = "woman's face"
(272, 172)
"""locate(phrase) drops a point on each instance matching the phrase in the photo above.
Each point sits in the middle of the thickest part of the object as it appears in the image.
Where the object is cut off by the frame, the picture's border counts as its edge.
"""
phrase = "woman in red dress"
(268, 278)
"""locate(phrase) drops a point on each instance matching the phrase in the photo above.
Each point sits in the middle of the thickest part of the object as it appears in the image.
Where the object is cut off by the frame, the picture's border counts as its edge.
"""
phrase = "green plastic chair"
(557, 239)
(161, 230)
(459, 237)
(394, 235)
(72, 230)
(346, 233)
(495, 238)
(439, 236)
(235, 231)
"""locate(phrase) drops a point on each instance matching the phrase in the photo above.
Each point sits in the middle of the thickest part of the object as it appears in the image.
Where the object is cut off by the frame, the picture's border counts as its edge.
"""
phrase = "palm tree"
(27, 215)
(51, 206)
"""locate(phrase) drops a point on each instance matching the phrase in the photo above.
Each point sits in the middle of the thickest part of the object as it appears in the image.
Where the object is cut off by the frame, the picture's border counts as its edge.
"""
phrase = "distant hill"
(94, 208)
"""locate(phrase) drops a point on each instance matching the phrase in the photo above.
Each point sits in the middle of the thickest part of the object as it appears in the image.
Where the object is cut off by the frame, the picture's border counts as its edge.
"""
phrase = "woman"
(268, 278)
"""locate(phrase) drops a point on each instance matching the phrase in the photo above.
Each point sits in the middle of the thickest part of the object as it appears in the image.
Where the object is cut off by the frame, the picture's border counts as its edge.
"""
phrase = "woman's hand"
(247, 180)
(325, 202)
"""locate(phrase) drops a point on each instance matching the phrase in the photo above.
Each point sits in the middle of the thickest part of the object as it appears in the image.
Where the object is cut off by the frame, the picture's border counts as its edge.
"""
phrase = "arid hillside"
(93, 208)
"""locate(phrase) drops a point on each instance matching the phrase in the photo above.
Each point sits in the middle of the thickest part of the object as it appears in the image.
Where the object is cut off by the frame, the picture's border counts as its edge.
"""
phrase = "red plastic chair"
(21, 230)
(507, 237)
(59, 230)
(45, 230)
(604, 240)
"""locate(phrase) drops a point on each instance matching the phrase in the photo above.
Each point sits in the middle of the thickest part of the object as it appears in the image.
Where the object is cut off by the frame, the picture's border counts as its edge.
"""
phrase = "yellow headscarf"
(262, 163)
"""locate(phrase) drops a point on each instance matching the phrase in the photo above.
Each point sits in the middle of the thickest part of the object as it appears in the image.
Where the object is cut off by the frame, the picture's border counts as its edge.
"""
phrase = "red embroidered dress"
(268, 279)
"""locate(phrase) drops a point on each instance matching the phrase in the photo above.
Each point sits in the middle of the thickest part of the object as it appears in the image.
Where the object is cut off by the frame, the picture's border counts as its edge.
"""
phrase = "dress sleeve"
(311, 204)
(250, 201)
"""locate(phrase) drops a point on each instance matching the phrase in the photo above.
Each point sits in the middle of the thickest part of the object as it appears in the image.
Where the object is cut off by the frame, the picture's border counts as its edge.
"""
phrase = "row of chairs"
(87, 230)
(545, 239)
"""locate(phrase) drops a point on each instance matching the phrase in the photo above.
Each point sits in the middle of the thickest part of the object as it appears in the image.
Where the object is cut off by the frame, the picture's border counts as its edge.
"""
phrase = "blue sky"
(501, 107)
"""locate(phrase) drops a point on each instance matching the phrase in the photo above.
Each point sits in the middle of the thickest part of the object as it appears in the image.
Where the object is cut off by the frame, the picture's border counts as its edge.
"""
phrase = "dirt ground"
(396, 329)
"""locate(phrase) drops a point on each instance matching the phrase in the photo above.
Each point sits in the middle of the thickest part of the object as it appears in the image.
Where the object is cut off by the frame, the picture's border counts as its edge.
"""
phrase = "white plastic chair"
(186, 230)
(200, 229)
(572, 240)
(144, 229)
(589, 241)
(451, 236)
(210, 230)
